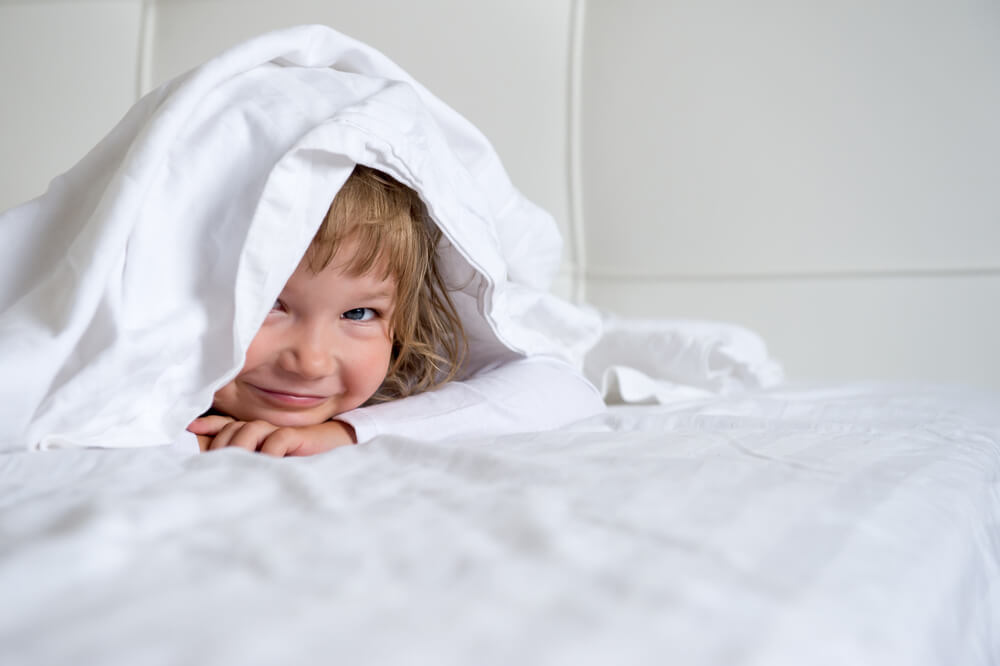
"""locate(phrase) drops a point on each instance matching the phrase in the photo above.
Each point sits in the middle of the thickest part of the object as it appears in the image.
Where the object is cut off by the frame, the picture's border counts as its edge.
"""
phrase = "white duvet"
(131, 289)
(856, 525)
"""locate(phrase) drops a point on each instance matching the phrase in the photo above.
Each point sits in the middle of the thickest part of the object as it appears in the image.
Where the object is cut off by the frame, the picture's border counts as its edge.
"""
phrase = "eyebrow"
(386, 294)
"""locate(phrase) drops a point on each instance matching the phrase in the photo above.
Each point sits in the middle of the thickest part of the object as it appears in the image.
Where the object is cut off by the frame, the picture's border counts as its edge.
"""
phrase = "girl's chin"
(293, 419)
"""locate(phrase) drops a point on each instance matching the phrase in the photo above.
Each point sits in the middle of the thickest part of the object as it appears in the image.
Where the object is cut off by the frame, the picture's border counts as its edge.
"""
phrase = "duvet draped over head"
(131, 289)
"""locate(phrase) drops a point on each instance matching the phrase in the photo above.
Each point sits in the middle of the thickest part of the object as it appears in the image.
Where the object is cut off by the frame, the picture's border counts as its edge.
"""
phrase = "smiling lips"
(283, 399)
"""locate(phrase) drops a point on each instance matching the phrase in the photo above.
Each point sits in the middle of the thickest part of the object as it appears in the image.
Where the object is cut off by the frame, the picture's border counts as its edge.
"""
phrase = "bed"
(848, 525)
(714, 515)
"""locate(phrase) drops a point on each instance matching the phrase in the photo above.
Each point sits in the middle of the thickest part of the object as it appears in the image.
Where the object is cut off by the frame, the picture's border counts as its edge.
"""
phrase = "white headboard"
(823, 172)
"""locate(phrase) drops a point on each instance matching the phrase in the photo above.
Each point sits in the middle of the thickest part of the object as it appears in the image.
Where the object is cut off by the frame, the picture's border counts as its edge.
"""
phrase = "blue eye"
(360, 314)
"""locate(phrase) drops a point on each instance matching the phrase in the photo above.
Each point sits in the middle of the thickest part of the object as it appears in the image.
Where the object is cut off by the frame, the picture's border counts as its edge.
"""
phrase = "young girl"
(365, 318)
(178, 267)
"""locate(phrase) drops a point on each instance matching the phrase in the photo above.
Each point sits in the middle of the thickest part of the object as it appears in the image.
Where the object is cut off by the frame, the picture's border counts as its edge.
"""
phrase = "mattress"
(853, 524)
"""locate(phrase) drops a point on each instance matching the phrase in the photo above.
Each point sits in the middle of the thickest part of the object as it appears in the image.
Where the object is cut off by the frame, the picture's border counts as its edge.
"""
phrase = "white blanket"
(648, 361)
(130, 290)
(857, 525)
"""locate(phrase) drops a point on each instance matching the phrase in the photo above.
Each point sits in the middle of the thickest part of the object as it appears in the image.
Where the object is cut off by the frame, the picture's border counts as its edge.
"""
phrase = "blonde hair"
(395, 235)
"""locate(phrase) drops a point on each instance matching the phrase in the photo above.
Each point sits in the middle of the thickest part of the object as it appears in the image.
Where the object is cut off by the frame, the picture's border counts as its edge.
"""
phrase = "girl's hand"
(216, 432)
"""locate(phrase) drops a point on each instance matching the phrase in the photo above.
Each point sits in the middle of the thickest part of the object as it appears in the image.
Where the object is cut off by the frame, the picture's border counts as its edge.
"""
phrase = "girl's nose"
(310, 356)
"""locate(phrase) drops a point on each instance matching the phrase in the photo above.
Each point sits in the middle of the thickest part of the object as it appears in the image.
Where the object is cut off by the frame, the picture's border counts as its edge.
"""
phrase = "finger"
(252, 435)
(208, 425)
(281, 442)
(204, 442)
(223, 437)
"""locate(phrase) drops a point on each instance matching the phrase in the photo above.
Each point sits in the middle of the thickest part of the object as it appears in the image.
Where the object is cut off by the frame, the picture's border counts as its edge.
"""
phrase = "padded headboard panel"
(824, 173)
(827, 173)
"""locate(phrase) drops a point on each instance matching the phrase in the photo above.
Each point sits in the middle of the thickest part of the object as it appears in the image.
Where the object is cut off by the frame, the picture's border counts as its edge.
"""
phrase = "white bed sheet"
(849, 525)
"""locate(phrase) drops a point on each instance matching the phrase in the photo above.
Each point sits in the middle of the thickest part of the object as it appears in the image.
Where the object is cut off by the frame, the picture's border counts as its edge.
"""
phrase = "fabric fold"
(649, 361)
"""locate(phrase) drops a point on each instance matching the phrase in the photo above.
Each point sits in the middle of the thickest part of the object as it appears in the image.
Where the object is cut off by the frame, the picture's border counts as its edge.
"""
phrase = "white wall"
(824, 172)
(68, 71)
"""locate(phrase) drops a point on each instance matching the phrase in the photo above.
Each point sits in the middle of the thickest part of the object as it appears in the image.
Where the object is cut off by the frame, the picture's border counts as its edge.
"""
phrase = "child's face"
(324, 349)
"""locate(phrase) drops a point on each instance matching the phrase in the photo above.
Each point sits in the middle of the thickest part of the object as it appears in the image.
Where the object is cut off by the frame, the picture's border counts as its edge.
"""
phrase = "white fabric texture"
(522, 395)
(853, 525)
(131, 289)
(646, 361)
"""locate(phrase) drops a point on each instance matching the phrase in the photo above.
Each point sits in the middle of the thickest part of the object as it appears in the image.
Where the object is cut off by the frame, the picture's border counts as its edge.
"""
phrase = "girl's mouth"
(285, 399)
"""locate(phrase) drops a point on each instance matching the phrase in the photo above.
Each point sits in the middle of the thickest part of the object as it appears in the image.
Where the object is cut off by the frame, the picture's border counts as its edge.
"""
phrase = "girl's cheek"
(263, 346)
